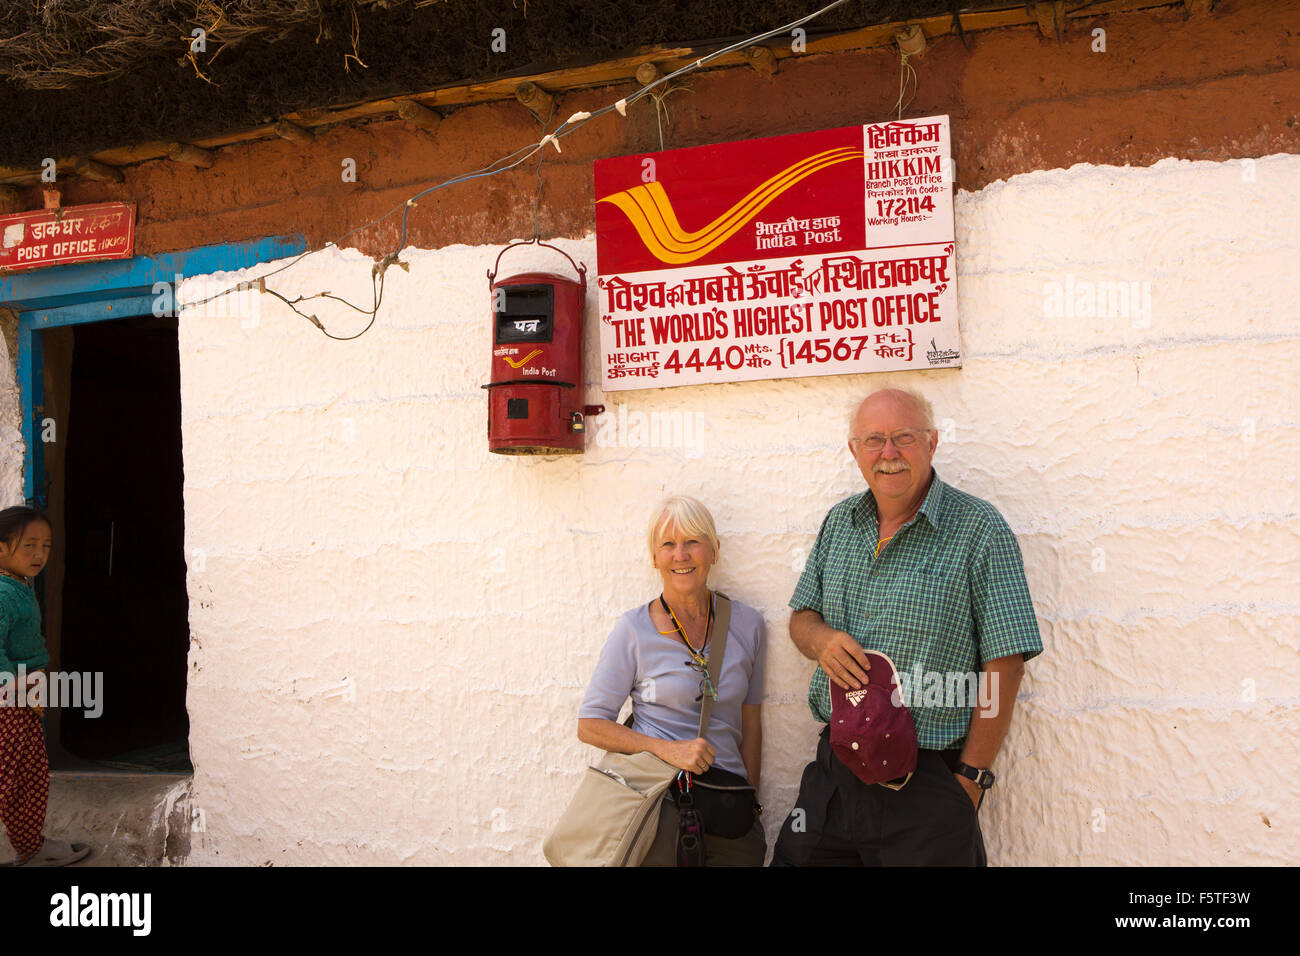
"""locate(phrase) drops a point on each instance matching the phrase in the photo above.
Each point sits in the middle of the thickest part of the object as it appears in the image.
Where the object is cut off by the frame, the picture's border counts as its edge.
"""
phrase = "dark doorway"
(125, 610)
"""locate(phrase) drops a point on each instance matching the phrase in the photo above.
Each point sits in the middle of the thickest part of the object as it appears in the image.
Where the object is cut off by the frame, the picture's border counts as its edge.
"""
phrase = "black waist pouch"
(725, 802)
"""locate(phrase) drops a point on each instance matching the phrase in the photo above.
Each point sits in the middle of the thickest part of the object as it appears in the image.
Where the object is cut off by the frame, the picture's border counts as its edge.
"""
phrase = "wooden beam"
(910, 39)
(293, 132)
(101, 172)
(647, 73)
(191, 155)
(761, 59)
(1051, 18)
(535, 98)
(418, 116)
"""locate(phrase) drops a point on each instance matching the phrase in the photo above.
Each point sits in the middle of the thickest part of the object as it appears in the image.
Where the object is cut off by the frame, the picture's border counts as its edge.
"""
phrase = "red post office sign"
(814, 254)
(55, 237)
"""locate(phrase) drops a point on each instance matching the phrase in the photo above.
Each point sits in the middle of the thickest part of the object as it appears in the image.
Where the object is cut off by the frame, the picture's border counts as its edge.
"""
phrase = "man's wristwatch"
(982, 776)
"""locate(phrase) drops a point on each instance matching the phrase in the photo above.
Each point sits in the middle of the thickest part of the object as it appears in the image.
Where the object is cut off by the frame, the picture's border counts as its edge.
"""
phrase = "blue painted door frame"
(95, 292)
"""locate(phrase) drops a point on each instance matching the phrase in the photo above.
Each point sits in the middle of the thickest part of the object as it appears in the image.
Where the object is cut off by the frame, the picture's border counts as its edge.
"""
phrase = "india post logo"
(712, 204)
(651, 212)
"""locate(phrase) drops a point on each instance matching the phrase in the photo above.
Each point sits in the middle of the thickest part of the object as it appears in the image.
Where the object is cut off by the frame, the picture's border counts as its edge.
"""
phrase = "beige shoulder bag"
(613, 818)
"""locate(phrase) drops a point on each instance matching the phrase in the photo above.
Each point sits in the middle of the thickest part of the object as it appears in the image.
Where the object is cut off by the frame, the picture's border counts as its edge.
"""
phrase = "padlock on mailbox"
(535, 395)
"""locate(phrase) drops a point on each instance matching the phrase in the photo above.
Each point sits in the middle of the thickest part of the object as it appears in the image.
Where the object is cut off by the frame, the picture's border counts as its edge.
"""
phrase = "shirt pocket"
(934, 604)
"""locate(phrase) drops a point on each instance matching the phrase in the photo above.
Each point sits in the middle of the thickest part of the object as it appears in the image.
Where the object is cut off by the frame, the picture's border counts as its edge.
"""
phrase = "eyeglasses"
(904, 438)
(706, 685)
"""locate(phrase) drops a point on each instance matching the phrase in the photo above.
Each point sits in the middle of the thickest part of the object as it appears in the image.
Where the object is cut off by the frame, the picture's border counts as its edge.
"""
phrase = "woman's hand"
(693, 756)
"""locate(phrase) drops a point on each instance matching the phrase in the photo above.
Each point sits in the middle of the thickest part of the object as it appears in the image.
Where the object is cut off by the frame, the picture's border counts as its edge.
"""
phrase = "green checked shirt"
(946, 594)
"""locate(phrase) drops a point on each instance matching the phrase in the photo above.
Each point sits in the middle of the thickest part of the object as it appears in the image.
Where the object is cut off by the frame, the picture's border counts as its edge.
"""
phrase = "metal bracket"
(580, 269)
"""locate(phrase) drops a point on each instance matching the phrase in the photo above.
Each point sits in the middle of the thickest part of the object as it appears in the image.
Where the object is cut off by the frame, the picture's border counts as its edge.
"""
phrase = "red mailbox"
(535, 396)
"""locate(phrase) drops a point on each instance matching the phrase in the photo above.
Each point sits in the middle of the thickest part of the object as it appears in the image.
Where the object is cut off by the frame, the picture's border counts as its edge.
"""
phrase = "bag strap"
(721, 623)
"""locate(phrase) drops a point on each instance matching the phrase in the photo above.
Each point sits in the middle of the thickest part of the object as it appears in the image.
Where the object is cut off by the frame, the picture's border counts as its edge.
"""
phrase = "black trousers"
(840, 821)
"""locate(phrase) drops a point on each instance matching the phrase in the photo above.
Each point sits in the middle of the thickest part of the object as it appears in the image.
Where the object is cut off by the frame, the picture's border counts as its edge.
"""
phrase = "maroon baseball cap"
(871, 731)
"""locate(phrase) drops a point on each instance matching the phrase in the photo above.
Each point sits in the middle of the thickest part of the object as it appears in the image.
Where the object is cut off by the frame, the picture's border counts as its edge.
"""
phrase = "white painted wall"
(392, 628)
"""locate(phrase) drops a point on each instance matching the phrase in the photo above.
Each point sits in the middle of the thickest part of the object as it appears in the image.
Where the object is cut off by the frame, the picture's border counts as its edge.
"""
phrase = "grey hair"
(916, 398)
(687, 514)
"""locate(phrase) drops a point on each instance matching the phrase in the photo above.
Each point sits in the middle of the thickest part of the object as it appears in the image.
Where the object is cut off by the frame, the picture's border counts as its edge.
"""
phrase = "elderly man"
(931, 577)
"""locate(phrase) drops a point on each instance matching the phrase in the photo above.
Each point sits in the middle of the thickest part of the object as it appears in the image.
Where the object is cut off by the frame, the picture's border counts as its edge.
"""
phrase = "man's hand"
(693, 756)
(842, 658)
(839, 655)
(972, 789)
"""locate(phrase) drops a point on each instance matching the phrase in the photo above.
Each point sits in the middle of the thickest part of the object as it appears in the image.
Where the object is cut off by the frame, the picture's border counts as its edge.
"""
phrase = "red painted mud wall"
(1214, 87)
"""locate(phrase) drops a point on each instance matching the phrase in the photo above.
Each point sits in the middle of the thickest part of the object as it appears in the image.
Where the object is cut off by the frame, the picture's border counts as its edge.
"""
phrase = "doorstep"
(129, 819)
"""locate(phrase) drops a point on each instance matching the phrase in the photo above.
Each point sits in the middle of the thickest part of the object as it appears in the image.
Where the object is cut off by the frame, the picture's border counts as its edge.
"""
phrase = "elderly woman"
(658, 654)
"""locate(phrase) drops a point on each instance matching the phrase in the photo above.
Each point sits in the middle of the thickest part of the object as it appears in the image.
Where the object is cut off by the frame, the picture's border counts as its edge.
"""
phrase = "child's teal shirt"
(20, 628)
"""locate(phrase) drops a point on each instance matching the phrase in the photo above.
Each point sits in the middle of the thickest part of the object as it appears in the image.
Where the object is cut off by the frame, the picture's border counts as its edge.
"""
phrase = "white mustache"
(892, 467)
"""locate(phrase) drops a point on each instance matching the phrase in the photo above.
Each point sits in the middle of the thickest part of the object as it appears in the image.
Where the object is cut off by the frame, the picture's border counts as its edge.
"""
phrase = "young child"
(25, 542)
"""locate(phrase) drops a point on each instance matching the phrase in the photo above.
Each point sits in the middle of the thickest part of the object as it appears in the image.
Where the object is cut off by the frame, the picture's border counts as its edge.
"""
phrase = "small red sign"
(56, 237)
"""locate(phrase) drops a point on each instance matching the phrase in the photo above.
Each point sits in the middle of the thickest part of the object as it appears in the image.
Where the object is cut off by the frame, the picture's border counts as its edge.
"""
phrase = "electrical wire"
(905, 70)
(501, 165)
(537, 200)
